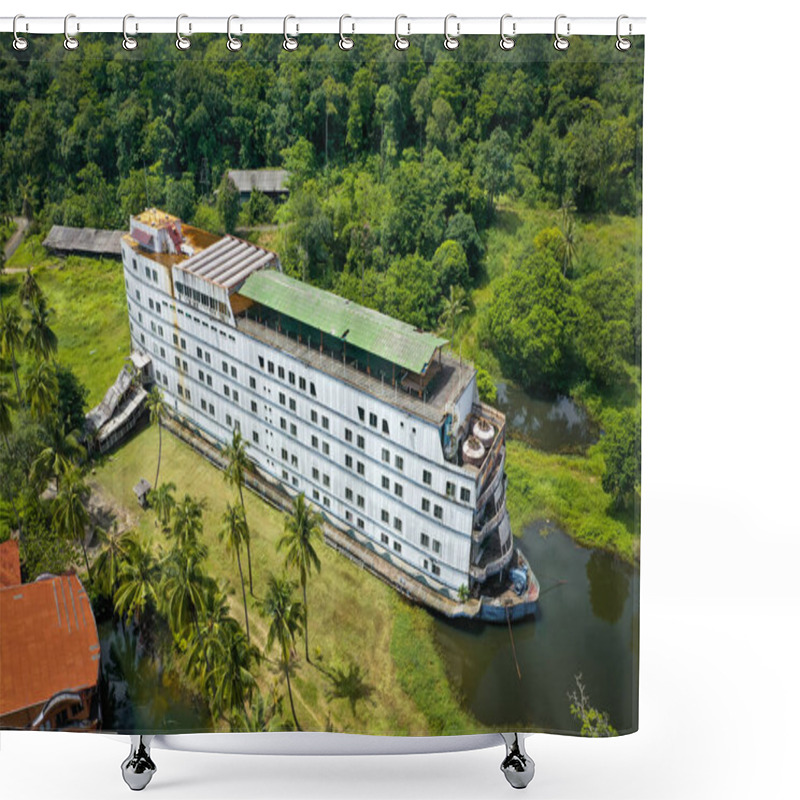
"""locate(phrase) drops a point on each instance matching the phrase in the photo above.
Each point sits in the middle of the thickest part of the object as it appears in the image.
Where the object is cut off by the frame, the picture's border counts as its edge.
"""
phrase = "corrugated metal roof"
(84, 240)
(386, 337)
(48, 642)
(228, 262)
(259, 180)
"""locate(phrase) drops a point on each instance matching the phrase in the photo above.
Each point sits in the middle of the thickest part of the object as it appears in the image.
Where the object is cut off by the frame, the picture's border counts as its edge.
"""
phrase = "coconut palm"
(238, 464)
(285, 616)
(60, 453)
(455, 305)
(113, 553)
(302, 529)
(11, 338)
(7, 405)
(187, 521)
(163, 502)
(234, 532)
(156, 406)
(40, 338)
(183, 588)
(70, 516)
(138, 580)
(254, 720)
(29, 290)
(41, 390)
(206, 646)
(232, 676)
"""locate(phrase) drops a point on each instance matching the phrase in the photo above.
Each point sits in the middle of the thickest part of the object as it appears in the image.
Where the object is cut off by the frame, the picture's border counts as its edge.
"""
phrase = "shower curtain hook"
(234, 44)
(400, 42)
(128, 42)
(345, 42)
(181, 42)
(70, 42)
(507, 42)
(560, 43)
(289, 44)
(622, 44)
(451, 42)
(19, 43)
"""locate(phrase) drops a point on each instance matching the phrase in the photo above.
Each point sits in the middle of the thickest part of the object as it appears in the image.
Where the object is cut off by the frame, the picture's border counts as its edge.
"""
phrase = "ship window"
(361, 413)
(398, 490)
(225, 367)
(360, 442)
(203, 404)
(185, 365)
(326, 448)
(284, 454)
(235, 395)
(425, 540)
(397, 547)
(234, 373)
(180, 390)
(384, 515)
(291, 378)
(314, 416)
(360, 523)
(254, 406)
(160, 331)
(226, 390)
(315, 494)
(294, 461)
(183, 343)
(313, 389)
(348, 515)
(282, 398)
(283, 424)
(162, 352)
(385, 427)
(255, 437)
(385, 455)
(261, 362)
(435, 569)
(360, 467)
(426, 505)
(201, 375)
(188, 395)
(360, 501)
(437, 546)
(451, 489)
(199, 352)
(284, 474)
(315, 442)
(437, 512)
(425, 563)
(228, 420)
(293, 429)
(373, 419)
(211, 409)
(326, 501)
(398, 462)
(302, 384)
(326, 423)
(465, 494)
(315, 473)
(295, 481)
(281, 372)
(292, 404)
(208, 379)
(252, 382)
(271, 367)
(398, 524)
(348, 461)
(208, 357)
(135, 265)
(326, 480)
(147, 271)
(175, 339)
(348, 435)
(384, 539)
(348, 494)
(426, 477)
(178, 362)
(138, 295)
(385, 481)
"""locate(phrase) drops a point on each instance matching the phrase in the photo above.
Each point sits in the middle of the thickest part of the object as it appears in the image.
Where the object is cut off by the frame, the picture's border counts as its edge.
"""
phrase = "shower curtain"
(320, 385)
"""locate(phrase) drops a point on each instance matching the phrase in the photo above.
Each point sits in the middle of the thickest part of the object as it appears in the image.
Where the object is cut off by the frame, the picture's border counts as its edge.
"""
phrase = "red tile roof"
(9, 563)
(48, 642)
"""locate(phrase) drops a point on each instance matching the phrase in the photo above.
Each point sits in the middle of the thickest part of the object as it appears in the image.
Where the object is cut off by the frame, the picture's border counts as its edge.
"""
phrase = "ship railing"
(490, 488)
(479, 534)
(494, 567)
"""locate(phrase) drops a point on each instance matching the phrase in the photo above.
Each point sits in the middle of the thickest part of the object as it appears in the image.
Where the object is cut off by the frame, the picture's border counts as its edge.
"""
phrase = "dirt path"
(16, 238)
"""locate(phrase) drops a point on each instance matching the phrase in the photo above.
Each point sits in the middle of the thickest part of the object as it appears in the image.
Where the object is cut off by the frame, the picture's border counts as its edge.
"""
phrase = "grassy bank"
(353, 617)
(567, 491)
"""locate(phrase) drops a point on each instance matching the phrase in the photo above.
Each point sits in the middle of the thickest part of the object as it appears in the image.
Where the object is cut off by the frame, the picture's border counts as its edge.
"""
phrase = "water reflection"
(609, 585)
(552, 425)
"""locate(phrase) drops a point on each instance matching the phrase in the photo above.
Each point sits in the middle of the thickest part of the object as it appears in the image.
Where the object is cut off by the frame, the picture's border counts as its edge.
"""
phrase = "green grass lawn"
(90, 314)
(353, 616)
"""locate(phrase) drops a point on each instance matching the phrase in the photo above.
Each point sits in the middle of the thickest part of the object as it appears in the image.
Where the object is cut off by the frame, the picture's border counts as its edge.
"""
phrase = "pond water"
(555, 426)
(137, 695)
(585, 625)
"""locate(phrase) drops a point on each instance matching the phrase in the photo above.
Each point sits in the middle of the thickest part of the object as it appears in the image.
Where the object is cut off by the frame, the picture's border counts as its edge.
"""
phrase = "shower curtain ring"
(289, 44)
(181, 42)
(451, 42)
(622, 44)
(507, 42)
(400, 42)
(70, 42)
(128, 42)
(234, 44)
(560, 43)
(345, 42)
(19, 43)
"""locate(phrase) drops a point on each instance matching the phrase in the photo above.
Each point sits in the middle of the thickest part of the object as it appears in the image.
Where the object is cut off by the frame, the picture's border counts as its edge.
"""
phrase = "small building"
(66, 241)
(49, 651)
(141, 490)
(271, 182)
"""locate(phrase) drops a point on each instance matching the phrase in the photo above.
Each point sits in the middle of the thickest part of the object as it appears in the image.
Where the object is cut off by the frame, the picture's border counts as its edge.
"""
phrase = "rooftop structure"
(49, 654)
(266, 181)
(85, 241)
(228, 262)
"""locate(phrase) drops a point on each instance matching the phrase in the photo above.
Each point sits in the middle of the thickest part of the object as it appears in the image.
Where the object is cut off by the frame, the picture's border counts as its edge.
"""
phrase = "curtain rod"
(347, 25)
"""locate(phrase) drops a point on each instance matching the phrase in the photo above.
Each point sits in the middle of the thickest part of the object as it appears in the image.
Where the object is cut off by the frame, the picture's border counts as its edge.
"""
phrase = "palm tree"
(70, 516)
(455, 304)
(7, 405)
(301, 530)
(30, 291)
(568, 245)
(206, 647)
(233, 533)
(11, 340)
(254, 720)
(238, 464)
(156, 406)
(187, 521)
(183, 588)
(285, 622)
(113, 553)
(138, 580)
(232, 680)
(40, 338)
(57, 457)
(163, 502)
(41, 390)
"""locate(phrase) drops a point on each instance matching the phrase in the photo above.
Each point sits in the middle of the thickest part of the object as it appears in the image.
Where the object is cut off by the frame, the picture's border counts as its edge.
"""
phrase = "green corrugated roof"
(388, 338)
